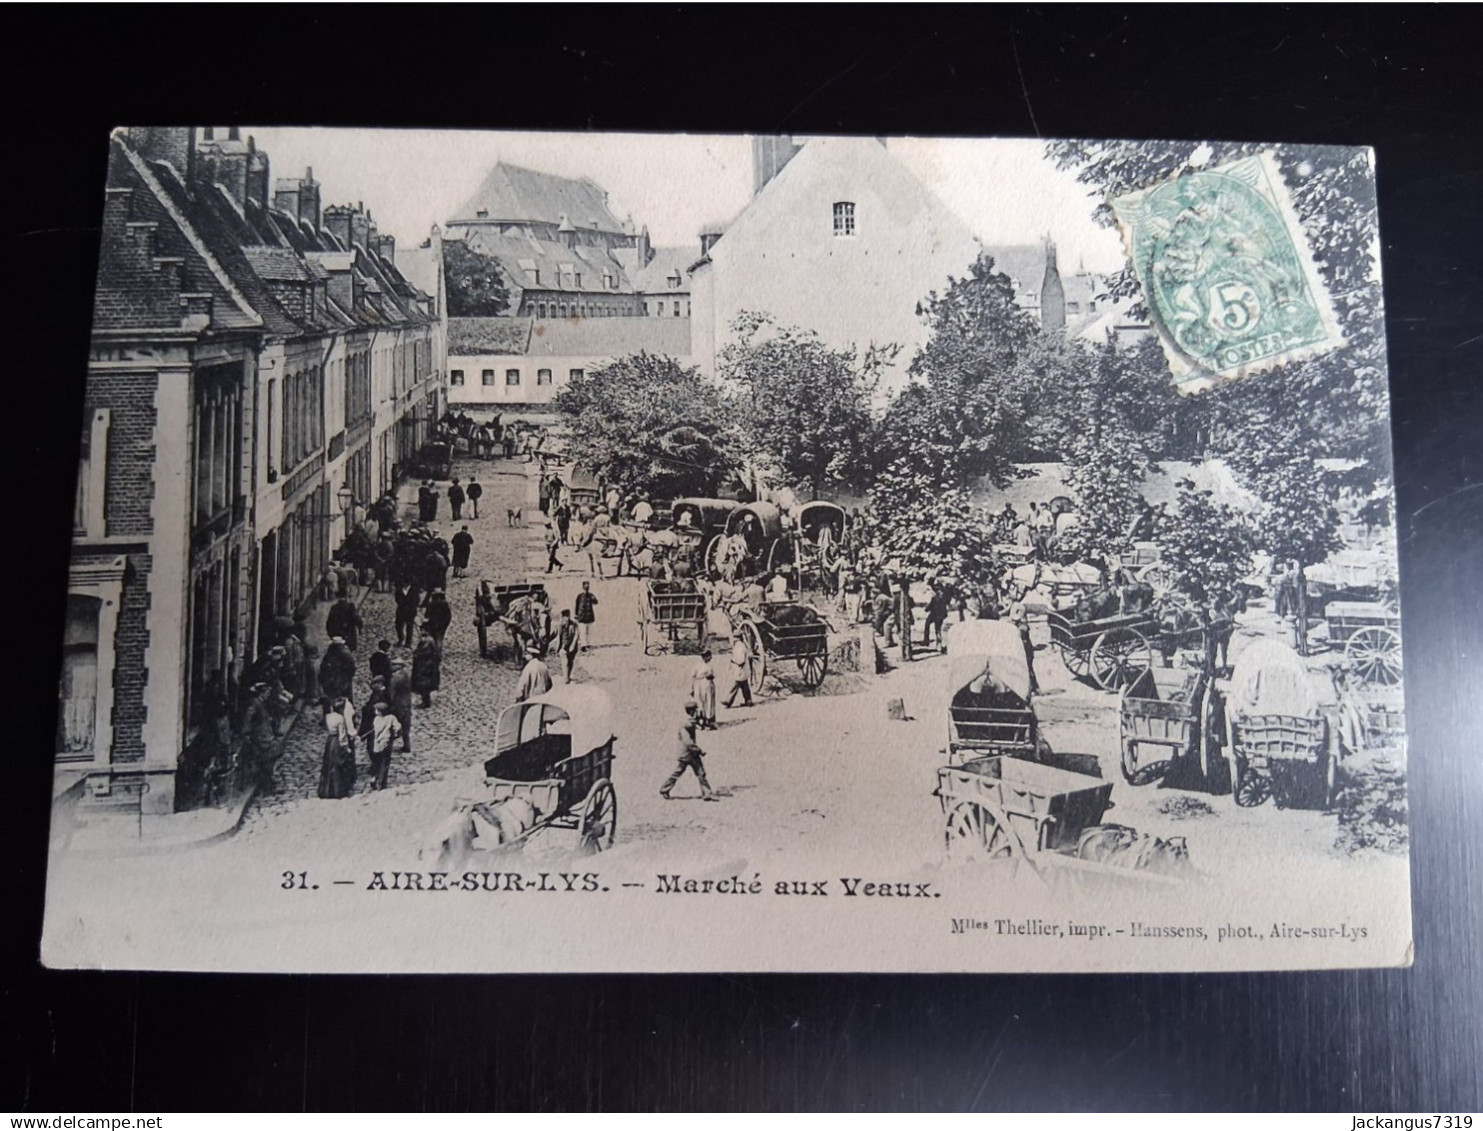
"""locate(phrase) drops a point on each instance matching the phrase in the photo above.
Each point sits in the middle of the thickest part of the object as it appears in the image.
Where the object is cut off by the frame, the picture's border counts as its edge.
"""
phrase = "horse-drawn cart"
(1111, 650)
(670, 607)
(989, 679)
(1000, 807)
(552, 768)
(784, 630)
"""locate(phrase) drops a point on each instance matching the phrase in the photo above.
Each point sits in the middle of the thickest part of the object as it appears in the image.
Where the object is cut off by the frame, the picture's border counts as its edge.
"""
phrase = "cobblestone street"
(444, 736)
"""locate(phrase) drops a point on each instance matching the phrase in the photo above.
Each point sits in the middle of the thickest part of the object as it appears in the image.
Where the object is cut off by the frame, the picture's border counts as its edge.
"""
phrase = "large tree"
(803, 406)
(932, 533)
(646, 423)
(977, 381)
(476, 288)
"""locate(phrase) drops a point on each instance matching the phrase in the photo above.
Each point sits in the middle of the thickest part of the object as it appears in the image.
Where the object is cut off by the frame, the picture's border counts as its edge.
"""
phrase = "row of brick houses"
(261, 369)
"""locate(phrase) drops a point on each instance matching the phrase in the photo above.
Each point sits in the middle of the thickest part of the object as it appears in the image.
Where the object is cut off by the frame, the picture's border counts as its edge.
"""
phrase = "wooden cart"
(784, 630)
(1175, 712)
(1370, 633)
(552, 769)
(1111, 651)
(669, 608)
(998, 807)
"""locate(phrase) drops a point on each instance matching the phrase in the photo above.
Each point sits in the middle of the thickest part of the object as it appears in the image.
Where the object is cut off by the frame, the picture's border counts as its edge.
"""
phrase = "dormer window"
(844, 218)
(607, 280)
(674, 281)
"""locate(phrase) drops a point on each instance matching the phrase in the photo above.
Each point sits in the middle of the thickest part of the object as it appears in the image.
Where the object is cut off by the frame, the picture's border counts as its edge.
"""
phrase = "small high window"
(456, 377)
(543, 376)
(574, 375)
(487, 377)
(844, 218)
(512, 376)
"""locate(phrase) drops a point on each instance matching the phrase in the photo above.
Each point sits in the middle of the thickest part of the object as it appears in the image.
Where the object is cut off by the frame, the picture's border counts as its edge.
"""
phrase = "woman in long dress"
(703, 691)
(337, 771)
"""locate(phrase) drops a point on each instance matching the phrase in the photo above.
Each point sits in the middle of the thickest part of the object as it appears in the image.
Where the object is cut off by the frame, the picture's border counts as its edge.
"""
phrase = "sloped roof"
(521, 257)
(610, 337)
(1024, 264)
(512, 193)
(568, 337)
(487, 336)
(277, 264)
(667, 261)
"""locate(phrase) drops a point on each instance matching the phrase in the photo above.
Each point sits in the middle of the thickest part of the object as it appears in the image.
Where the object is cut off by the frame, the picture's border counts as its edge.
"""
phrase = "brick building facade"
(253, 364)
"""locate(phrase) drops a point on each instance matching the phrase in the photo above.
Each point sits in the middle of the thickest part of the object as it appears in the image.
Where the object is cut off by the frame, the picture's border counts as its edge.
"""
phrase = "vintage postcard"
(770, 553)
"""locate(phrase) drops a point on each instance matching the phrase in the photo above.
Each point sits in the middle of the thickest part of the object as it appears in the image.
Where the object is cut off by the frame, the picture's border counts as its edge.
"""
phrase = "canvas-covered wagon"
(552, 769)
(989, 681)
(818, 529)
(754, 541)
(1279, 741)
(697, 523)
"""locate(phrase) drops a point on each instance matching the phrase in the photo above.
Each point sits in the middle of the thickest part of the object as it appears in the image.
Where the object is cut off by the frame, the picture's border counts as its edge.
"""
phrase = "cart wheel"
(1075, 661)
(973, 833)
(1375, 652)
(713, 554)
(599, 818)
(1208, 741)
(1118, 657)
(1128, 763)
(813, 669)
(757, 664)
(1162, 577)
(1249, 789)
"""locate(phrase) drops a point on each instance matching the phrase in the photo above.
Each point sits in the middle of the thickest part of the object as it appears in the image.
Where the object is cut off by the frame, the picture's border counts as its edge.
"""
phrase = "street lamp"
(347, 500)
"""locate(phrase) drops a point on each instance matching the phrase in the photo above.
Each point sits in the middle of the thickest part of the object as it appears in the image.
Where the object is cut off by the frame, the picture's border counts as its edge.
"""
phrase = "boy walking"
(385, 730)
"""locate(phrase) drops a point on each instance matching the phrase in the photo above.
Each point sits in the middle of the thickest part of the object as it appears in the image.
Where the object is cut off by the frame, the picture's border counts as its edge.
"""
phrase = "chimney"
(309, 199)
(225, 163)
(373, 235)
(645, 251)
(708, 237)
(337, 223)
(287, 195)
(257, 175)
(175, 145)
(360, 228)
(769, 154)
(386, 248)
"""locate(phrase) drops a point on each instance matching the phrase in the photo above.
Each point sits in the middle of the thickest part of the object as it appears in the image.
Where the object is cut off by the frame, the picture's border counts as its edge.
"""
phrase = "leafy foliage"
(1107, 480)
(804, 407)
(980, 376)
(1334, 405)
(1203, 538)
(1298, 519)
(475, 286)
(931, 532)
(647, 424)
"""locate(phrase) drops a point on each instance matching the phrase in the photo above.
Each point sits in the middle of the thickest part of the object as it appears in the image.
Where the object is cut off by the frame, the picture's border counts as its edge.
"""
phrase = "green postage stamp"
(1226, 272)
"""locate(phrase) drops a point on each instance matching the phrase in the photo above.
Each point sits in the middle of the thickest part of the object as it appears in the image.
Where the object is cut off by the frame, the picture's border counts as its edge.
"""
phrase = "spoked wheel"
(1162, 577)
(1118, 657)
(813, 668)
(599, 818)
(1375, 652)
(1076, 661)
(757, 659)
(974, 833)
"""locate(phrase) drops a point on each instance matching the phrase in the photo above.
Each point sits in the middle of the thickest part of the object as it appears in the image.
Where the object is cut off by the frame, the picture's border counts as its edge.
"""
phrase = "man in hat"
(535, 677)
(741, 670)
(437, 615)
(463, 546)
(337, 670)
(408, 601)
(475, 492)
(399, 696)
(455, 500)
(1020, 618)
(689, 757)
(345, 622)
(381, 660)
(261, 736)
(583, 607)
